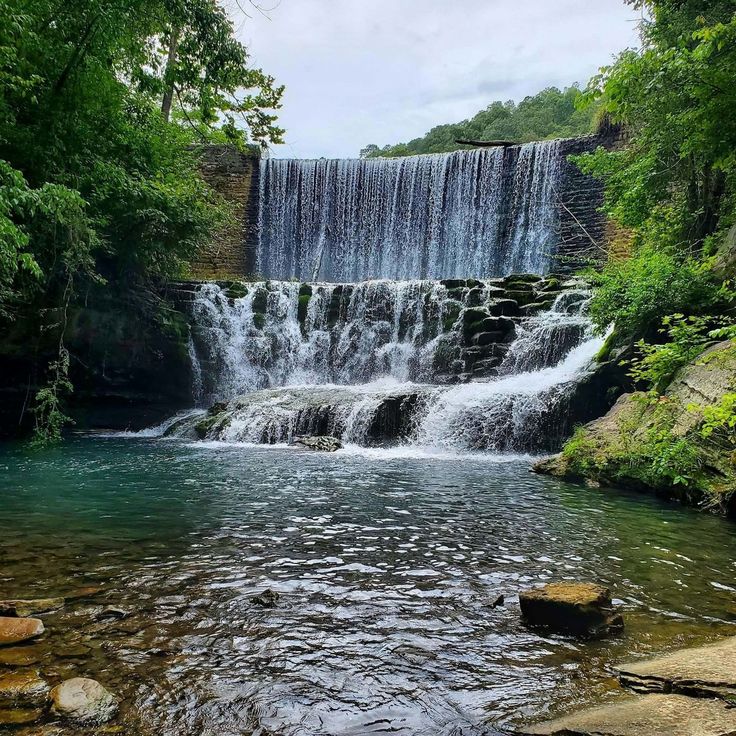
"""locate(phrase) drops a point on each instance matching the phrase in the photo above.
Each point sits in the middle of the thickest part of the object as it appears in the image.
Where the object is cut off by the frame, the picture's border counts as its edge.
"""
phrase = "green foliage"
(48, 408)
(97, 181)
(637, 293)
(549, 114)
(687, 338)
(719, 422)
(677, 99)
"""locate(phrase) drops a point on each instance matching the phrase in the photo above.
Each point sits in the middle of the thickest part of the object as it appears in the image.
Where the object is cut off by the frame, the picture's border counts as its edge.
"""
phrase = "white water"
(479, 213)
(343, 368)
(350, 334)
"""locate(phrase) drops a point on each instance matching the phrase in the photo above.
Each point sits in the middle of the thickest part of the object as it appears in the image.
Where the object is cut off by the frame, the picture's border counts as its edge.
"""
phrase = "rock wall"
(129, 362)
(235, 176)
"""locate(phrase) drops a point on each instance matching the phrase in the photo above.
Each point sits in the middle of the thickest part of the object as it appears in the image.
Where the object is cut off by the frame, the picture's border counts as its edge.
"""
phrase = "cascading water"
(369, 363)
(480, 213)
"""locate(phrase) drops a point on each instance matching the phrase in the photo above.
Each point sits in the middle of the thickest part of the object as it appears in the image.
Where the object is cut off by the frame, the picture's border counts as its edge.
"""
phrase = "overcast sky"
(386, 71)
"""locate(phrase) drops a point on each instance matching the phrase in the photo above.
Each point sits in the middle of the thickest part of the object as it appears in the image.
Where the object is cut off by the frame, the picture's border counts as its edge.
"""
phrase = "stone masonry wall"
(235, 176)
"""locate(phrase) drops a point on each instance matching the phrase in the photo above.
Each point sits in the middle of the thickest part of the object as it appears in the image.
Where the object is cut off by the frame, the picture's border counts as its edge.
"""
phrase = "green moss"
(303, 307)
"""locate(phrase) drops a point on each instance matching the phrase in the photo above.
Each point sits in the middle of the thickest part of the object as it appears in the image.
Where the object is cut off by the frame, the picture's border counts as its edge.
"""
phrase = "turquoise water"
(386, 565)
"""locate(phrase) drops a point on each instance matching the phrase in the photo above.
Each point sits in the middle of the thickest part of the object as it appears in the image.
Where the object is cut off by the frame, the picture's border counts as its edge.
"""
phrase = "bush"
(638, 293)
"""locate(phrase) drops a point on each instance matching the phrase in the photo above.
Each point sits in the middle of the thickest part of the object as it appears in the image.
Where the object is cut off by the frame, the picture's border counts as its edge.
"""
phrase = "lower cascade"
(451, 365)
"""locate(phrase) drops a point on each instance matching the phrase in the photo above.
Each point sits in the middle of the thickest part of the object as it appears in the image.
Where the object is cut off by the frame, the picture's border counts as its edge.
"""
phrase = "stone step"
(707, 671)
(648, 715)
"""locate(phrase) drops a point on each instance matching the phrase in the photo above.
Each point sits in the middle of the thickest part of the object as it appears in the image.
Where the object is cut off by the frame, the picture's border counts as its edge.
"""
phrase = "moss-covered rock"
(680, 444)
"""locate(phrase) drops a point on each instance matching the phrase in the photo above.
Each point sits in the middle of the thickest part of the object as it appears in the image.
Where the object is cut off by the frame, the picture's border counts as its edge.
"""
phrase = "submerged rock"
(25, 687)
(114, 613)
(19, 656)
(16, 630)
(708, 671)
(80, 594)
(22, 608)
(320, 444)
(579, 609)
(84, 700)
(11, 717)
(651, 715)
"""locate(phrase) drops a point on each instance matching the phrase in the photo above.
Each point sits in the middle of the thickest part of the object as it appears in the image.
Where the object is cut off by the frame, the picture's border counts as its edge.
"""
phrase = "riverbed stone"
(320, 444)
(575, 608)
(707, 671)
(16, 630)
(26, 687)
(19, 656)
(648, 715)
(28, 607)
(84, 700)
(13, 717)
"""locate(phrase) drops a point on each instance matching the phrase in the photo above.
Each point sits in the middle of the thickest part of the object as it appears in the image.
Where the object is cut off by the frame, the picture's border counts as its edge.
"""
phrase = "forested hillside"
(550, 114)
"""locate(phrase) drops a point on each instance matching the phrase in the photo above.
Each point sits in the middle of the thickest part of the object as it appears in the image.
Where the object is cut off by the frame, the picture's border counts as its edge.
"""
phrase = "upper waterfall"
(468, 214)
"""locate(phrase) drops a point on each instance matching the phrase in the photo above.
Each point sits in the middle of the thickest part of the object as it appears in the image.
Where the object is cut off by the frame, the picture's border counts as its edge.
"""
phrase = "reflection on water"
(386, 565)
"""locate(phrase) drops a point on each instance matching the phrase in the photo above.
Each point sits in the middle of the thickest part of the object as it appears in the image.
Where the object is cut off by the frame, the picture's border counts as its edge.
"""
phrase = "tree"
(95, 183)
(549, 114)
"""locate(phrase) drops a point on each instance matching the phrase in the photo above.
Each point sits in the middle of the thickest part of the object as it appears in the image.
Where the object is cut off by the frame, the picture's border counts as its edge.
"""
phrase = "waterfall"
(479, 213)
(376, 361)
(287, 334)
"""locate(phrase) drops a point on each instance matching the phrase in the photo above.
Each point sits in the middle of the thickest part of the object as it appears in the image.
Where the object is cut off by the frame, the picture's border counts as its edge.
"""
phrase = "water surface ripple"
(386, 566)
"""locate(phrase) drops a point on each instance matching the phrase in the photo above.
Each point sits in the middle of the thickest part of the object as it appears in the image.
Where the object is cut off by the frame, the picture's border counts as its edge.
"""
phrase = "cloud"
(386, 71)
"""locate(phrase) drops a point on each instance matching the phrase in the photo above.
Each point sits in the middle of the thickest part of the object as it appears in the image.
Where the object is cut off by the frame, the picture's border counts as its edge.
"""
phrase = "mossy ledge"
(664, 443)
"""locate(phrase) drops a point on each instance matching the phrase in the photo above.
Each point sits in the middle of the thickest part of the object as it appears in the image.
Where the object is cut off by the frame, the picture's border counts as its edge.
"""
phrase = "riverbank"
(669, 444)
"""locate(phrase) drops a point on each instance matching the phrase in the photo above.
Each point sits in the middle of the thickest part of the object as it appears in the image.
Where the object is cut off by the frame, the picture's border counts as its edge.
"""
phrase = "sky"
(386, 71)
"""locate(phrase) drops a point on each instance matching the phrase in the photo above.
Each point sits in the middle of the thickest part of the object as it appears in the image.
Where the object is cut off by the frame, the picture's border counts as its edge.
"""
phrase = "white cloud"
(385, 71)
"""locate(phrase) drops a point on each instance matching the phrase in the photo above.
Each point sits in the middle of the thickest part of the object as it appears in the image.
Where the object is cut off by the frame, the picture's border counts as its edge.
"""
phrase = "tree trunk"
(170, 73)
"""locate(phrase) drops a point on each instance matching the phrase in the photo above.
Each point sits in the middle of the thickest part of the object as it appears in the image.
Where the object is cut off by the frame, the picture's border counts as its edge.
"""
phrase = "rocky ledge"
(706, 672)
(652, 715)
(622, 448)
(687, 693)
(283, 415)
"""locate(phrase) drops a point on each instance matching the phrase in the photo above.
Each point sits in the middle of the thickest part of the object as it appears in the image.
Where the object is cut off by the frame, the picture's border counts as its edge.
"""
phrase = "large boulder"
(16, 630)
(651, 715)
(577, 609)
(84, 700)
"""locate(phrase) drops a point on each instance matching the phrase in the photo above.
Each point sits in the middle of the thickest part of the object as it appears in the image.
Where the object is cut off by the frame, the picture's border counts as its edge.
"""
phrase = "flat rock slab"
(648, 715)
(15, 630)
(84, 700)
(27, 687)
(29, 607)
(702, 671)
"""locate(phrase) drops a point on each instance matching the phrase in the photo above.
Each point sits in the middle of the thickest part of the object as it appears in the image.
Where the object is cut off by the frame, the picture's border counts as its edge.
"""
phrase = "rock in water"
(25, 687)
(15, 630)
(30, 607)
(707, 671)
(579, 609)
(651, 715)
(268, 599)
(84, 700)
(320, 444)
